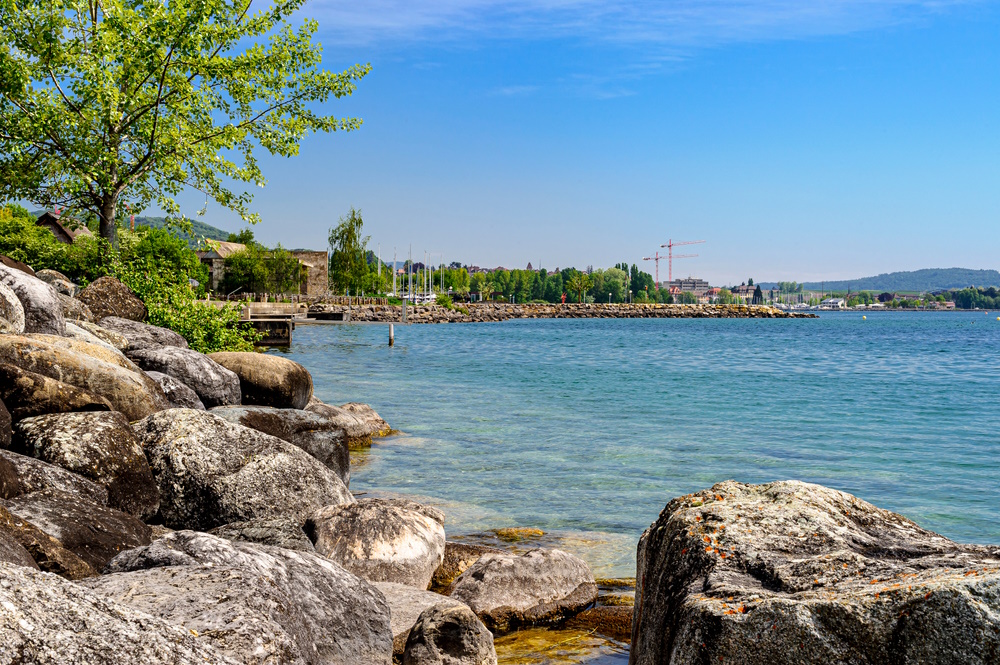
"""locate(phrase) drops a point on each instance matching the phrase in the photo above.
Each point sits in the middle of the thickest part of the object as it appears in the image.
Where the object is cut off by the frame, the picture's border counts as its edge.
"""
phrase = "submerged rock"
(100, 446)
(11, 312)
(178, 394)
(142, 335)
(790, 572)
(358, 427)
(46, 620)
(449, 635)
(457, 558)
(267, 380)
(278, 533)
(40, 302)
(214, 384)
(334, 617)
(406, 603)
(312, 433)
(539, 587)
(381, 540)
(212, 472)
(109, 297)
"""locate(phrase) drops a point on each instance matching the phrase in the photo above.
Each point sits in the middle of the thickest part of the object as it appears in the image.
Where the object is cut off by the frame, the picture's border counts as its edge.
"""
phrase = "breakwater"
(492, 312)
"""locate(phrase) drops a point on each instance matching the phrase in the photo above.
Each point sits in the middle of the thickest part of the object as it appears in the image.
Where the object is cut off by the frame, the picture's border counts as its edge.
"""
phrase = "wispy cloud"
(514, 90)
(680, 24)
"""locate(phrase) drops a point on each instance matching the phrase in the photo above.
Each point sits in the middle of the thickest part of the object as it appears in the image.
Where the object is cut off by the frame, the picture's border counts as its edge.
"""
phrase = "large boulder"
(46, 552)
(457, 558)
(179, 395)
(10, 482)
(287, 534)
(790, 572)
(75, 310)
(93, 532)
(538, 587)
(449, 635)
(60, 282)
(42, 309)
(46, 620)
(16, 265)
(312, 433)
(75, 331)
(267, 380)
(214, 384)
(212, 472)
(133, 393)
(29, 394)
(359, 427)
(100, 446)
(334, 617)
(11, 551)
(381, 540)
(406, 603)
(112, 337)
(11, 311)
(34, 475)
(143, 335)
(109, 297)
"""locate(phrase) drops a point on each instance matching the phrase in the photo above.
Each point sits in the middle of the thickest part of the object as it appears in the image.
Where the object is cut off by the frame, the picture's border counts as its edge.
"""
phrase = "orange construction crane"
(670, 244)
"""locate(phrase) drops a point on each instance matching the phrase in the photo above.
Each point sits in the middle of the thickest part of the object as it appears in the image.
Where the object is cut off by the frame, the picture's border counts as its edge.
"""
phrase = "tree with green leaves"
(108, 104)
(348, 264)
(579, 284)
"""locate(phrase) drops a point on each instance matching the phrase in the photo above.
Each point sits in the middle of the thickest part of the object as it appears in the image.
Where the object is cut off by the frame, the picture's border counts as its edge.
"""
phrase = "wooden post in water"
(392, 336)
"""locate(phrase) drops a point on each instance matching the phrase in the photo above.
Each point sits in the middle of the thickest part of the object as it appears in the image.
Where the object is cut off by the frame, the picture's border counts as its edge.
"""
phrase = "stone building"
(215, 259)
(314, 282)
(64, 233)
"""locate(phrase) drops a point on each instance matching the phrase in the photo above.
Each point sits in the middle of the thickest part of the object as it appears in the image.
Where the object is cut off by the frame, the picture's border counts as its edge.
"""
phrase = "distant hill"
(928, 279)
(199, 230)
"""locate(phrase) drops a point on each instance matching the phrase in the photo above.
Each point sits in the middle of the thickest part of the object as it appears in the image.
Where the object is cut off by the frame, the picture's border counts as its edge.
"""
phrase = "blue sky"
(801, 140)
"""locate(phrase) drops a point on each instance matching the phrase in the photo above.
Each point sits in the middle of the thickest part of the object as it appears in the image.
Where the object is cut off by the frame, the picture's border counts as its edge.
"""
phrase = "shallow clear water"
(586, 428)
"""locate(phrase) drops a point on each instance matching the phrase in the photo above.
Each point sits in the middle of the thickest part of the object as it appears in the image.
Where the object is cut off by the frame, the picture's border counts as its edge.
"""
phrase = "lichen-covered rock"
(75, 331)
(790, 572)
(10, 483)
(46, 552)
(110, 336)
(406, 603)
(267, 380)
(179, 395)
(12, 552)
(143, 335)
(60, 282)
(457, 558)
(11, 311)
(109, 297)
(538, 587)
(337, 618)
(312, 433)
(46, 620)
(214, 384)
(75, 310)
(34, 475)
(358, 427)
(100, 446)
(93, 532)
(381, 540)
(236, 611)
(29, 394)
(132, 393)
(449, 635)
(42, 309)
(212, 472)
(100, 350)
(282, 533)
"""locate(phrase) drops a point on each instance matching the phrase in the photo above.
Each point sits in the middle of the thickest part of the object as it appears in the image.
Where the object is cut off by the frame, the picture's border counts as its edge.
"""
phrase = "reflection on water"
(536, 646)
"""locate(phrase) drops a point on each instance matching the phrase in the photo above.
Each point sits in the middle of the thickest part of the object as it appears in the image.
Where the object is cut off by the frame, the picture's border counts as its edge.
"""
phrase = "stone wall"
(316, 281)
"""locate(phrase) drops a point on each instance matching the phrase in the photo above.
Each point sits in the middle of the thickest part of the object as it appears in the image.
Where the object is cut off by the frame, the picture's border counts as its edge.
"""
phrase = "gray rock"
(214, 384)
(268, 380)
(457, 558)
(34, 475)
(179, 395)
(10, 483)
(100, 446)
(74, 331)
(236, 611)
(345, 620)
(60, 282)
(449, 635)
(278, 533)
(110, 336)
(538, 587)
(381, 540)
(132, 393)
(5, 425)
(790, 572)
(212, 472)
(100, 350)
(46, 552)
(29, 394)
(360, 427)
(109, 297)
(93, 532)
(11, 551)
(406, 603)
(42, 309)
(11, 311)
(47, 620)
(75, 310)
(142, 335)
(312, 433)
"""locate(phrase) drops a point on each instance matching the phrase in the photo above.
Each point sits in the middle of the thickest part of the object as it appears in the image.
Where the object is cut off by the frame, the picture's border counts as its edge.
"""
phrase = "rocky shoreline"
(495, 312)
(158, 506)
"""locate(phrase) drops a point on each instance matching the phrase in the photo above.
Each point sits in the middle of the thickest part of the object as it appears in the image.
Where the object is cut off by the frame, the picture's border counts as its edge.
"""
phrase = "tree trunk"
(107, 219)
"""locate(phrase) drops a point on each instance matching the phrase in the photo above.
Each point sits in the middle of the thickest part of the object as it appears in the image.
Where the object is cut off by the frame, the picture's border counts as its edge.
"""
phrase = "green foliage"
(257, 269)
(725, 297)
(579, 284)
(128, 102)
(446, 302)
(348, 266)
(972, 298)
(687, 298)
(917, 281)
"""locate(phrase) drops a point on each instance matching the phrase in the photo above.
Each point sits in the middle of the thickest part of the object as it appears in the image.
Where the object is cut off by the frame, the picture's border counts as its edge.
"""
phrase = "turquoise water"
(586, 428)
